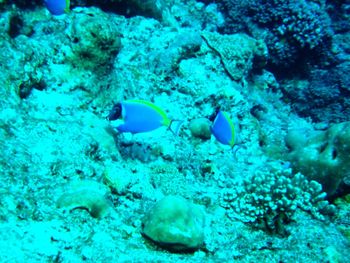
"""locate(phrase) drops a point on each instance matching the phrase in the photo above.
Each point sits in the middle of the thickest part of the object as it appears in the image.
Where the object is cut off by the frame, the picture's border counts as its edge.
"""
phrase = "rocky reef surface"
(73, 189)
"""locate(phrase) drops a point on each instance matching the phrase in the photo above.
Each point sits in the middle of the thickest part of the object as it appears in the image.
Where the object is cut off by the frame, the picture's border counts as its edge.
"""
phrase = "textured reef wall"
(307, 47)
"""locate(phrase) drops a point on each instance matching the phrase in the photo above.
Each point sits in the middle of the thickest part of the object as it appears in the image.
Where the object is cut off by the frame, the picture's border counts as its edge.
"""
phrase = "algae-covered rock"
(322, 156)
(94, 40)
(146, 8)
(200, 128)
(343, 215)
(89, 195)
(239, 53)
(271, 198)
(175, 223)
(117, 179)
(182, 45)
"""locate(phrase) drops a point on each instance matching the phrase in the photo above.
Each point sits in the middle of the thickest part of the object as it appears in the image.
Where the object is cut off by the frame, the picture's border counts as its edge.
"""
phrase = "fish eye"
(115, 113)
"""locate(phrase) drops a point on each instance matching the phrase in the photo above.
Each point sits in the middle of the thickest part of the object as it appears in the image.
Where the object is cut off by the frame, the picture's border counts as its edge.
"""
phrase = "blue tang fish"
(57, 7)
(140, 116)
(223, 129)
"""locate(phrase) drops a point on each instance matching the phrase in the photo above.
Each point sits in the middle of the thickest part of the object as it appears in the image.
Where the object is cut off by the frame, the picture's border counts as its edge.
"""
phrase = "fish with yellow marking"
(223, 129)
(141, 116)
(58, 7)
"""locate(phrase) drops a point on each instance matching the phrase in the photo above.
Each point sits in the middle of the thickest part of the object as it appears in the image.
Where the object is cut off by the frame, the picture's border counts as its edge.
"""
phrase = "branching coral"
(294, 26)
(270, 199)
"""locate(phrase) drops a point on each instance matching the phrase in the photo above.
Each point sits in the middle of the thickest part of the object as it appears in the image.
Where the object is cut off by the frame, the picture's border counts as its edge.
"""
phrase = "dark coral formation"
(290, 28)
(307, 40)
(326, 94)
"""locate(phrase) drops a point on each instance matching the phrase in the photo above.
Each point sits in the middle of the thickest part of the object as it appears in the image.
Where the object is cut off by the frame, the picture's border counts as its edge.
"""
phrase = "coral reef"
(137, 150)
(88, 195)
(239, 53)
(321, 155)
(175, 223)
(269, 199)
(94, 41)
(343, 217)
(308, 50)
(116, 179)
(291, 28)
(325, 97)
(200, 128)
(73, 189)
(179, 47)
(147, 8)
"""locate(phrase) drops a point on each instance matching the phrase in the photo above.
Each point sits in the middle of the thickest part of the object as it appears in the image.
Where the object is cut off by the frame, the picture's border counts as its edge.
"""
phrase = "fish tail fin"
(234, 149)
(67, 9)
(175, 126)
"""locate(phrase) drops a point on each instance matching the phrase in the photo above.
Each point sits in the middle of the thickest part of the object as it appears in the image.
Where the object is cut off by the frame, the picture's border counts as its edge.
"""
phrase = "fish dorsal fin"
(167, 121)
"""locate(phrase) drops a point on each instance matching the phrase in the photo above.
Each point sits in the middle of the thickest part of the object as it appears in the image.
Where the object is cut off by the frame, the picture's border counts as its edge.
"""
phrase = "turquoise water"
(174, 131)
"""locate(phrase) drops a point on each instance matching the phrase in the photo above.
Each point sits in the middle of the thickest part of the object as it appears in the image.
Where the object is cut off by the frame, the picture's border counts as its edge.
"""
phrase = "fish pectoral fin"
(122, 128)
